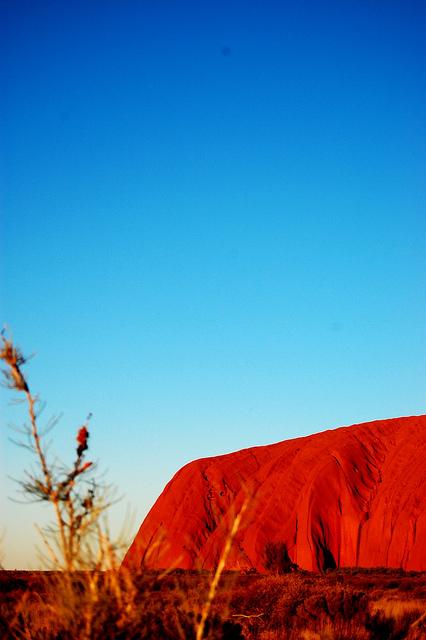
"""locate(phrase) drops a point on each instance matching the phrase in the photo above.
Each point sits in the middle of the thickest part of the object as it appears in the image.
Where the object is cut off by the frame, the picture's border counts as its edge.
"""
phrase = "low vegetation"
(339, 605)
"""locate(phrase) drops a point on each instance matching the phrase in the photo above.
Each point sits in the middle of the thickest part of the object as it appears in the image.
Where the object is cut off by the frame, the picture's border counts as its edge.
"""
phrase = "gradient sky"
(213, 227)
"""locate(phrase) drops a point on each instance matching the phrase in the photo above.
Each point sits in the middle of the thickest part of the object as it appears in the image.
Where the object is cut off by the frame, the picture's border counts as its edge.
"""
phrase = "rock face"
(354, 496)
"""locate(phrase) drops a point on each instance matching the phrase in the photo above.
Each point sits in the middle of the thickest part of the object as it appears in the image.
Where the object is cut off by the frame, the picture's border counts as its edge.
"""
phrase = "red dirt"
(354, 496)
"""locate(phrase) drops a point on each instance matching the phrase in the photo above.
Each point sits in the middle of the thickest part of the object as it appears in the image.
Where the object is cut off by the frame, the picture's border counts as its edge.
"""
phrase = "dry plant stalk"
(77, 503)
(418, 621)
(219, 569)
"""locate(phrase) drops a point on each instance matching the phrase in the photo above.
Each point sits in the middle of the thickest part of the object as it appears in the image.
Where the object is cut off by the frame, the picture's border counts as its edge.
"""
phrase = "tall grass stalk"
(219, 569)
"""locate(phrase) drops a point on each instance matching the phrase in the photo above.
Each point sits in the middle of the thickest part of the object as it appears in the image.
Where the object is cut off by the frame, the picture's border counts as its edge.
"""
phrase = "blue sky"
(213, 227)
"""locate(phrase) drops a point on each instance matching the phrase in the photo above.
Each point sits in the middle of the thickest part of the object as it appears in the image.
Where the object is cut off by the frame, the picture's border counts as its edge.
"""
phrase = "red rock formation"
(354, 496)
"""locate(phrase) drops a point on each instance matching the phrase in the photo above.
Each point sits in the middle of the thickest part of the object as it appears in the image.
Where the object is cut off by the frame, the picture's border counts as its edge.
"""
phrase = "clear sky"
(213, 227)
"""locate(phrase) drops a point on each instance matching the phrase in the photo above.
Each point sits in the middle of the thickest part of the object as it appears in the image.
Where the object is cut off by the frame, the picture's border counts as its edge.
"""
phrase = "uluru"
(348, 497)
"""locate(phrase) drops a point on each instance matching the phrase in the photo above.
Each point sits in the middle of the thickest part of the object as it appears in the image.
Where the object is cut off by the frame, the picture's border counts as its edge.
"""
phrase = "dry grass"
(397, 608)
(118, 605)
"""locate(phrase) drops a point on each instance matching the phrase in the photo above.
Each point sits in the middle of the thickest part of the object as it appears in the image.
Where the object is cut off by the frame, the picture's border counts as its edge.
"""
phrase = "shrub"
(76, 539)
(277, 559)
